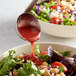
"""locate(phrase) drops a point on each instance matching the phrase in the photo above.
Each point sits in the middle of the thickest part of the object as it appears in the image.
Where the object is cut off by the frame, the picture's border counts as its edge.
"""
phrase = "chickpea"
(15, 73)
(46, 73)
(62, 74)
(45, 64)
(37, 75)
(58, 75)
(54, 70)
(43, 67)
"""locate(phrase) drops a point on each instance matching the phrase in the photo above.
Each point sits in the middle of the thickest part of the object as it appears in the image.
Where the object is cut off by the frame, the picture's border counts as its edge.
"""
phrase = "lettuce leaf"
(8, 63)
(50, 4)
(27, 69)
(67, 22)
(46, 58)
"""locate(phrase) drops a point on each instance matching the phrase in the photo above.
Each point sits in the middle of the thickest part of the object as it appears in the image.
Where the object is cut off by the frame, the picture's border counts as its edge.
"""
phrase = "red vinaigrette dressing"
(30, 33)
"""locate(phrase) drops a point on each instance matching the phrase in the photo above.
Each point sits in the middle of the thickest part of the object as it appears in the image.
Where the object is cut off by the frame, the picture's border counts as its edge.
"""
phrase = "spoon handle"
(31, 5)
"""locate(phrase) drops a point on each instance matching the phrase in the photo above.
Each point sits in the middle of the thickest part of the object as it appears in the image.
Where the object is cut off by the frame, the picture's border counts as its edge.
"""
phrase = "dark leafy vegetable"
(54, 56)
(46, 58)
(66, 53)
(71, 65)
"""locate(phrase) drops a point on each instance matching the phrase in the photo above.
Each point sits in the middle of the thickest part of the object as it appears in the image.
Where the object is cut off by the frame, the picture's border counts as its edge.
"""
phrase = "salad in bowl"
(56, 12)
(42, 63)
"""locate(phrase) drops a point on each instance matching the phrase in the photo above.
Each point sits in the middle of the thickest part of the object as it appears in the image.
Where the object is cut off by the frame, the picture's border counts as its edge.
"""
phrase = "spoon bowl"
(28, 23)
(28, 20)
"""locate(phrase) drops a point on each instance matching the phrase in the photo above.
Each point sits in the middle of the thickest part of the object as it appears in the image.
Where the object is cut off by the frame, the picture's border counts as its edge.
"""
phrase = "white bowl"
(58, 30)
(43, 47)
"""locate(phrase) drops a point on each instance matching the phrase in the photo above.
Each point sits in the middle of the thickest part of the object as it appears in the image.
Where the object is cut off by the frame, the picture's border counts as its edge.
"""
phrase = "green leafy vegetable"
(52, 10)
(33, 12)
(7, 63)
(45, 15)
(28, 69)
(70, 23)
(66, 21)
(66, 53)
(50, 4)
(57, 52)
(61, 69)
(46, 58)
(34, 9)
(43, 19)
(36, 50)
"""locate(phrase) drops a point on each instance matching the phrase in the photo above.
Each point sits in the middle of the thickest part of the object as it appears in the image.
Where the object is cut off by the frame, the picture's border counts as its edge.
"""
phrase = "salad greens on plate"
(42, 63)
(62, 13)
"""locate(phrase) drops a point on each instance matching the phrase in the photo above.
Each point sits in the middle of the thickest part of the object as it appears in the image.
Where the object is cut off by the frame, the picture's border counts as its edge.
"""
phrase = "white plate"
(43, 47)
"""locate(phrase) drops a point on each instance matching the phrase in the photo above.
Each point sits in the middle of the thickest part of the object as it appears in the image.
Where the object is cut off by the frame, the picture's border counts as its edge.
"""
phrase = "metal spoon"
(27, 19)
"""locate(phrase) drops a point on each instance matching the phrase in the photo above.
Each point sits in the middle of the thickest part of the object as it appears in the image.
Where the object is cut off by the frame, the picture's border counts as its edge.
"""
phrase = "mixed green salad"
(62, 13)
(46, 63)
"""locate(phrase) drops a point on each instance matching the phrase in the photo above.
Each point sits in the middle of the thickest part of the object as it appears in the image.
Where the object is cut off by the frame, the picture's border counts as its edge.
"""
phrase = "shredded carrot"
(63, 6)
(70, 0)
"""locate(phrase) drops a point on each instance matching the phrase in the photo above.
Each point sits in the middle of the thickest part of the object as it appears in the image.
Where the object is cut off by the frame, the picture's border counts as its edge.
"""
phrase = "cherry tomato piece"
(54, 7)
(57, 64)
(44, 52)
(55, 20)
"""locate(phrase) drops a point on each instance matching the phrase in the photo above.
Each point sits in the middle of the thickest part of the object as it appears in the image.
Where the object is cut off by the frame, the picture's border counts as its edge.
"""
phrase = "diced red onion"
(75, 60)
(55, 74)
(10, 73)
(61, 10)
(38, 11)
(60, 21)
(64, 16)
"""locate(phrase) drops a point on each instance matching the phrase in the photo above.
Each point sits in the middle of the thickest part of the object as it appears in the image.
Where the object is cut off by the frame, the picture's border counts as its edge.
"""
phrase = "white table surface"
(9, 11)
